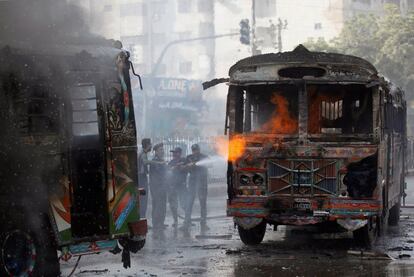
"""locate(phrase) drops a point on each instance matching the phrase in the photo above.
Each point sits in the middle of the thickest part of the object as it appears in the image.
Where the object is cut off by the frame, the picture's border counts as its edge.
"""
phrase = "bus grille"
(305, 177)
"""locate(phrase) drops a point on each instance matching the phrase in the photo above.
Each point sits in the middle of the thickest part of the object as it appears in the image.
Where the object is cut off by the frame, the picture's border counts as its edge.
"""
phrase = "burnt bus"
(314, 139)
(68, 147)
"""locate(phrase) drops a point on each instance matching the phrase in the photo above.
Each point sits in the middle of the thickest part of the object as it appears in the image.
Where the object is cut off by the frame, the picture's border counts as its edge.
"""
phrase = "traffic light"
(244, 31)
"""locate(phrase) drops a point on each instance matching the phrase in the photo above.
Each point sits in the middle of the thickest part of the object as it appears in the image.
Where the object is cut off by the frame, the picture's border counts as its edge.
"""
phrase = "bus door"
(89, 212)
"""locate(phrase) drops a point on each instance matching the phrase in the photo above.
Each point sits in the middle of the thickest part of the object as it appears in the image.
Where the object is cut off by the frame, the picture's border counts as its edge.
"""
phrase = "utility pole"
(150, 52)
(253, 39)
(281, 25)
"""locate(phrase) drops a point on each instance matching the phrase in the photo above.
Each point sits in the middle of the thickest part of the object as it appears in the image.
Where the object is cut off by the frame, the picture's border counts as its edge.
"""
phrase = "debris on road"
(369, 255)
(95, 271)
(401, 248)
(404, 256)
(233, 251)
(212, 246)
(213, 236)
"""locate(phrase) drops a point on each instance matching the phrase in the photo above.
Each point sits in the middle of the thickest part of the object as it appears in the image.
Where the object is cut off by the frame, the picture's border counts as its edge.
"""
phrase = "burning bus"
(314, 139)
(68, 178)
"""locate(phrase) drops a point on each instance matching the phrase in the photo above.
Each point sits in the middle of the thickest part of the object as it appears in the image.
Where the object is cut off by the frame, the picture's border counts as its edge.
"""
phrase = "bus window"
(271, 109)
(84, 111)
(339, 109)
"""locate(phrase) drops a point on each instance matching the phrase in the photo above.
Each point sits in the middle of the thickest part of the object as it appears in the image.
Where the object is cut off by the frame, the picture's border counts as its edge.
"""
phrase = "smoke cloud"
(40, 22)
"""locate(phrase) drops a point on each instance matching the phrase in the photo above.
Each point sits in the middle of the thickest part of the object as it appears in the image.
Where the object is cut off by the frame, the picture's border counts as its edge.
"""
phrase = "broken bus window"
(339, 109)
(271, 109)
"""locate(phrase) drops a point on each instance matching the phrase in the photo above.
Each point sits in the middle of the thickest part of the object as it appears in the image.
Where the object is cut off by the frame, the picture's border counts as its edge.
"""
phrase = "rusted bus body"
(68, 178)
(314, 138)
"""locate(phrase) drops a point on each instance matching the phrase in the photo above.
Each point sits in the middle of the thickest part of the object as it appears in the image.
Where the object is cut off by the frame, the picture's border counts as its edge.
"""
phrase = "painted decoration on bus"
(122, 193)
(120, 110)
(60, 207)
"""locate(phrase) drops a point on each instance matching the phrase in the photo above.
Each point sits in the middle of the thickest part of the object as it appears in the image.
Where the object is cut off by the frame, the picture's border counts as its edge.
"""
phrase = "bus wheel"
(26, 252)
(367, 235)
(394, 215)
(254, 235)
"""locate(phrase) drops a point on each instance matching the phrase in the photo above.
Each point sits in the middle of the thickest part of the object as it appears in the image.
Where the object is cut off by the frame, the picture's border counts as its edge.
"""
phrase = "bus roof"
(325, 66)
(95, 50)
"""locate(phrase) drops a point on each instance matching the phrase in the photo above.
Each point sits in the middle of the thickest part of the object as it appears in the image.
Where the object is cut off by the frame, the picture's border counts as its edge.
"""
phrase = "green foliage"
(320, 45)
(387, 41)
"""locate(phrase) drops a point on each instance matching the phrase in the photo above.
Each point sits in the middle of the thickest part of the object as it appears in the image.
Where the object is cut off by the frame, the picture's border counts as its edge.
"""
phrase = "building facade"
(156, 32)
(147, 27)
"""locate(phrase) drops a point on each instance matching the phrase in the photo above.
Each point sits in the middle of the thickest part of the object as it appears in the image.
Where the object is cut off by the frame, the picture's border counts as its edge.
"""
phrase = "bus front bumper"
(292, 210)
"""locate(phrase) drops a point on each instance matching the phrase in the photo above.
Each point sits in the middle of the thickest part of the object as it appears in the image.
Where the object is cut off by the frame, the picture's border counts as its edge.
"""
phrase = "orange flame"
(281, 121)
(231, 149)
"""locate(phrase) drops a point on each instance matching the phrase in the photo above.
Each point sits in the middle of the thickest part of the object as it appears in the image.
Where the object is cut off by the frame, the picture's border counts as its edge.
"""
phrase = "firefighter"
(197, 184)
(177, 183)
(158, 186)
(143, 163)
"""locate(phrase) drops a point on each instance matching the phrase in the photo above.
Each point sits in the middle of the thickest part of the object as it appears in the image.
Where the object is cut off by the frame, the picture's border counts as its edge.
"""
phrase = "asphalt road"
(285, 252)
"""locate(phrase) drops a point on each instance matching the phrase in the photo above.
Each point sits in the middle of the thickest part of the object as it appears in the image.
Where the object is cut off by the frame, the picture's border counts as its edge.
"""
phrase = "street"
(116, 114)
(286, 252)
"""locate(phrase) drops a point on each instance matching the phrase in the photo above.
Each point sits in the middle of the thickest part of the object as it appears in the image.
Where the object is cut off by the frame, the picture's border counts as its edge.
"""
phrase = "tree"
(385, 40)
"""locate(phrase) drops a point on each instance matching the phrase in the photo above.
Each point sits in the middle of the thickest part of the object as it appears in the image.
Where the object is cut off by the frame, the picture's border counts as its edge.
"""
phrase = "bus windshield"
(339, 109)
(271, 109)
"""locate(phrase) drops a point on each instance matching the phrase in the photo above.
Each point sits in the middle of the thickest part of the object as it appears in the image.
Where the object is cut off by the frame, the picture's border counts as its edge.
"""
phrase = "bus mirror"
(212, 83)
(139, 77)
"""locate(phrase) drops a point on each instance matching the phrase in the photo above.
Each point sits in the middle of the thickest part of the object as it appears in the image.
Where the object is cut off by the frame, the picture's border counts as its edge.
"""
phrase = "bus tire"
(27, 251)
(254, 235)
(394, 215)
(367, 235)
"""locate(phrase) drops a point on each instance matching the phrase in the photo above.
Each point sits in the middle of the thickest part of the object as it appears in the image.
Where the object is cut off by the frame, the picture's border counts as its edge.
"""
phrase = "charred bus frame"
(69, 156)
(322, 138)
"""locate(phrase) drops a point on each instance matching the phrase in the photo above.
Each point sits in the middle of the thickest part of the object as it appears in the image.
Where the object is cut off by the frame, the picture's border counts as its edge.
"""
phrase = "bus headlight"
(244, 180)
(258, 180)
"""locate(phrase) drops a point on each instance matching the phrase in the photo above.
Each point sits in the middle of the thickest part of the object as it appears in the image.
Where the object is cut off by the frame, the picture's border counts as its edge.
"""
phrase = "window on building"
(132, 9)
(206, 29)
(318, 26)
(185, 67)
(364, 2)
(159, 8)
(131, 26)
(205, 6)
(265, 8)
(184, 6)
(107, 8)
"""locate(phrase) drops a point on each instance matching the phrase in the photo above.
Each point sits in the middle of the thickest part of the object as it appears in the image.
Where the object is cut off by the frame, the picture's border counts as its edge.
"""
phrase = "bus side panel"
(122, 167)
(60, 211)
(395, 120)
(122, 191)
(395, 185)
